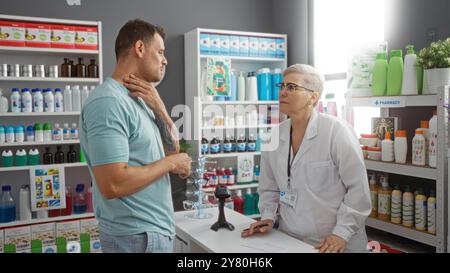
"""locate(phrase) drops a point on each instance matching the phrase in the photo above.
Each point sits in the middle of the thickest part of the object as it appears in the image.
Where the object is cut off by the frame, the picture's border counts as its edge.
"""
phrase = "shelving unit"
(46, 220)
(74, 172)
(439, 174)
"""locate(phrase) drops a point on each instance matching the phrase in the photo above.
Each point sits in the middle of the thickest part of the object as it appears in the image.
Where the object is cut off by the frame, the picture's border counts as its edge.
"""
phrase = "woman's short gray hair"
(312, 78)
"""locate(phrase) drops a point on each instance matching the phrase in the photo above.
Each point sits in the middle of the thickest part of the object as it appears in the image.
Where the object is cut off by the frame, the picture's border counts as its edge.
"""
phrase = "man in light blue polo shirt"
(131, 147)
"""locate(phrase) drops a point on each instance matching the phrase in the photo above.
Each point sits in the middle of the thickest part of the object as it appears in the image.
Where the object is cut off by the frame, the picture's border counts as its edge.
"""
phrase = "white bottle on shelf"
(409, 85)
(67, 99)
(251, 87)
(24, 203)
(76, 98)
(431, 212)
(418, 149)
(57, 134)
(241, 87)
(59, 101)
(424, 126)
(38, 101)
(16, 101)
(49, 101)
(27, 101)
(84, 95)
(400, 147)
(387, 149)
(432, 144)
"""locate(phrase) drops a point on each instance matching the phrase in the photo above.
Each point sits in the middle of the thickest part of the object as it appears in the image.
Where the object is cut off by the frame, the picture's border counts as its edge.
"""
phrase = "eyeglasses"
(291, 87)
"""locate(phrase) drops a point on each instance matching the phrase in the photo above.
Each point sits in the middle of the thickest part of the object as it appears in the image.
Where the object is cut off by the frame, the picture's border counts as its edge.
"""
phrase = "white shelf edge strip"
(28, 167)
(402, 169)
(45, 220)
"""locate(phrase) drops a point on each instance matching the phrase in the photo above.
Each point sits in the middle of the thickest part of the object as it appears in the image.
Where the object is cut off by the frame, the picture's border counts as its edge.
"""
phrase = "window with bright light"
(340, 28)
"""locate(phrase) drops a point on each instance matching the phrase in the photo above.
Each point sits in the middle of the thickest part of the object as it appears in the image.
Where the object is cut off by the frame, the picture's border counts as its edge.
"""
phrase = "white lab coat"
(329, 177)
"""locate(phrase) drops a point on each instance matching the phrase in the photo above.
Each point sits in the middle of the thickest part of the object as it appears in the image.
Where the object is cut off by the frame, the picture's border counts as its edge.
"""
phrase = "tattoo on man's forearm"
(168, 134)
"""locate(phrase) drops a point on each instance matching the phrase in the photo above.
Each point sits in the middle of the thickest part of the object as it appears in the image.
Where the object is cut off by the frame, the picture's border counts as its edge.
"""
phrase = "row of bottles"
(247, 204)
(229, 145)
(80, 202)
(406, 208)
(397, 77)
(43, 100)
(32, 158)
(226, 176)
(38, 133)
(80, 70)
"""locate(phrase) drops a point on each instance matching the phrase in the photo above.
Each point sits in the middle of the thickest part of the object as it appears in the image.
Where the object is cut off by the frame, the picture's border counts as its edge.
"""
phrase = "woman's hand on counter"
(332, 244)
(262, 226)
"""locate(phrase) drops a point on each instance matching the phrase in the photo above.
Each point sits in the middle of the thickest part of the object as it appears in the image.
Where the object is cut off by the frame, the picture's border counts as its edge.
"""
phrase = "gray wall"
(176, 16)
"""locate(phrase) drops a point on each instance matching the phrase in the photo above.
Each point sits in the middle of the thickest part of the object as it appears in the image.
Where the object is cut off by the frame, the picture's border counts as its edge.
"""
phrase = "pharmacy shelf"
(234, 187)
(44, 51)
(34, 114)
(225, 155)
(38, 79)
(34, 143)
(395, 101)
(46, 220)
(245, 59)
(401, 169)
(27, 168)
(261, 102)
(405, 232)
(239, 127)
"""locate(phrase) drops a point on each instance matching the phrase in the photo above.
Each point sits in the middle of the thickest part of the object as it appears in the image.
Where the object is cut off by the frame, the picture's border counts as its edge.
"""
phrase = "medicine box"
(17, 239)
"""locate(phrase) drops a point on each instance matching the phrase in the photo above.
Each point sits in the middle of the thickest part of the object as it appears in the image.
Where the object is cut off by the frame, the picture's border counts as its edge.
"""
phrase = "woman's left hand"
(332, 244)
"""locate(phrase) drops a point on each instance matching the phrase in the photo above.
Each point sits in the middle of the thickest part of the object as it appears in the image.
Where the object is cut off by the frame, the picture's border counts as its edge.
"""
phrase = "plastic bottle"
(4, 104)
(395, 74)
(387, 148)
(263, 84)
(241, 87)
(16, 101)
(384, 201)
(248, 202)
(20, 133)
(47, 132)
(396, 207)
(57, 134)
(66, 132)
(71, 155)
(48, 157)
(420, 211)
(59, 101)
(424, 126)
(7, 158)
(205, 146)
(49, 101)
(379, 77)
(79, 200)
(409, 85)
(431, 212)
(67, 99)
(21, 157)
(38, 101)
(38, 133)
(84, 95)
(221, 176)
(432, 145)
(33, 157)
(241, 144)
(76, 98)
(255, 203)
(59, 155)
(251, 87)
(30, 133)
(74, 131)
(89, 205)
(7, 205)
(277, 77)
(27, 101)
(231, 178)
(214, 146)
(400, 146)
(227, 145)
(69, 200)
(251, 144)
(408, 207)
(419, 149)
(24, 203)
(256, 173)
(10, 134)
(239, 202)
(2, 134)
(233, 86)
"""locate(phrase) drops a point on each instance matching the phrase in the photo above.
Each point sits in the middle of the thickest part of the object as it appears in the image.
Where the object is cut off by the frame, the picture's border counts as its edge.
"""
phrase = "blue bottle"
(277, 77)
(233, 86)
(79, 200)
(7, 205)
(264, 85)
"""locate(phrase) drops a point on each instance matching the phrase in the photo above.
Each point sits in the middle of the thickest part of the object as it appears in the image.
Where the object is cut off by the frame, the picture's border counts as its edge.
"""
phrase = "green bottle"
(395, 74)
(419, 71)
(256, 201)
(249, 204)
(82, 157)
(379, 78)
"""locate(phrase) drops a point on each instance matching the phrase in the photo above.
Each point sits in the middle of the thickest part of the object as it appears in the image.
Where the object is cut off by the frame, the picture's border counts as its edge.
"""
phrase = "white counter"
(195, 235)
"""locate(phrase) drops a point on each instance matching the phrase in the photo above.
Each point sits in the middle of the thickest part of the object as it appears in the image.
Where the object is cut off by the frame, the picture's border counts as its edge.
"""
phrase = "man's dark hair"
(133, 31)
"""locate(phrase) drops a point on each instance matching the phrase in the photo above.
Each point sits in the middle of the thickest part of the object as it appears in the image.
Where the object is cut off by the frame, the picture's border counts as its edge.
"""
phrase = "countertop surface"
(226, 241)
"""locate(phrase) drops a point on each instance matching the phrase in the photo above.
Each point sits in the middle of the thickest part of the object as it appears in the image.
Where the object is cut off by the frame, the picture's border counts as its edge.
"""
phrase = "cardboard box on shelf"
(38, 35)
(63, 36)
(12, 33)
(86, 38)
(17, 239)
(89, 236)
(1, 240)
(45, 249)
(66, 233)
(43, 236)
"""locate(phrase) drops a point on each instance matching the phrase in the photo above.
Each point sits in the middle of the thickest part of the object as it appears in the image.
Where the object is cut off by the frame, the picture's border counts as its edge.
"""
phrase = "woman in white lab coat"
(322, 197)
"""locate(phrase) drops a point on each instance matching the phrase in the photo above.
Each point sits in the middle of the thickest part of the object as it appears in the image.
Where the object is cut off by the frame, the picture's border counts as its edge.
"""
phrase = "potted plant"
(435, 60)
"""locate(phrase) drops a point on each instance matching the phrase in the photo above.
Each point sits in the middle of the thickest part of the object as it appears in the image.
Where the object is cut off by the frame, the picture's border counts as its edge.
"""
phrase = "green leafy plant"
(184, 146)
(437, 55)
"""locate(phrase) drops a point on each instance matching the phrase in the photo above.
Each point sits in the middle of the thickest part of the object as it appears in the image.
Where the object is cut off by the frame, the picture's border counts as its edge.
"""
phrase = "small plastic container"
(369, 140)
(364, 151)
(374, 153)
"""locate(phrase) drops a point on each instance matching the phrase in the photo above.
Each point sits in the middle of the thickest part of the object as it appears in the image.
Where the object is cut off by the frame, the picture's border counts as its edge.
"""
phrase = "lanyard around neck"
(289, 159)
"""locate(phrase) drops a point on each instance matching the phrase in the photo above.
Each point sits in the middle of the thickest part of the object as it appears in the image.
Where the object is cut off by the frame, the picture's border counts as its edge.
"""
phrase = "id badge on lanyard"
(288, 197)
